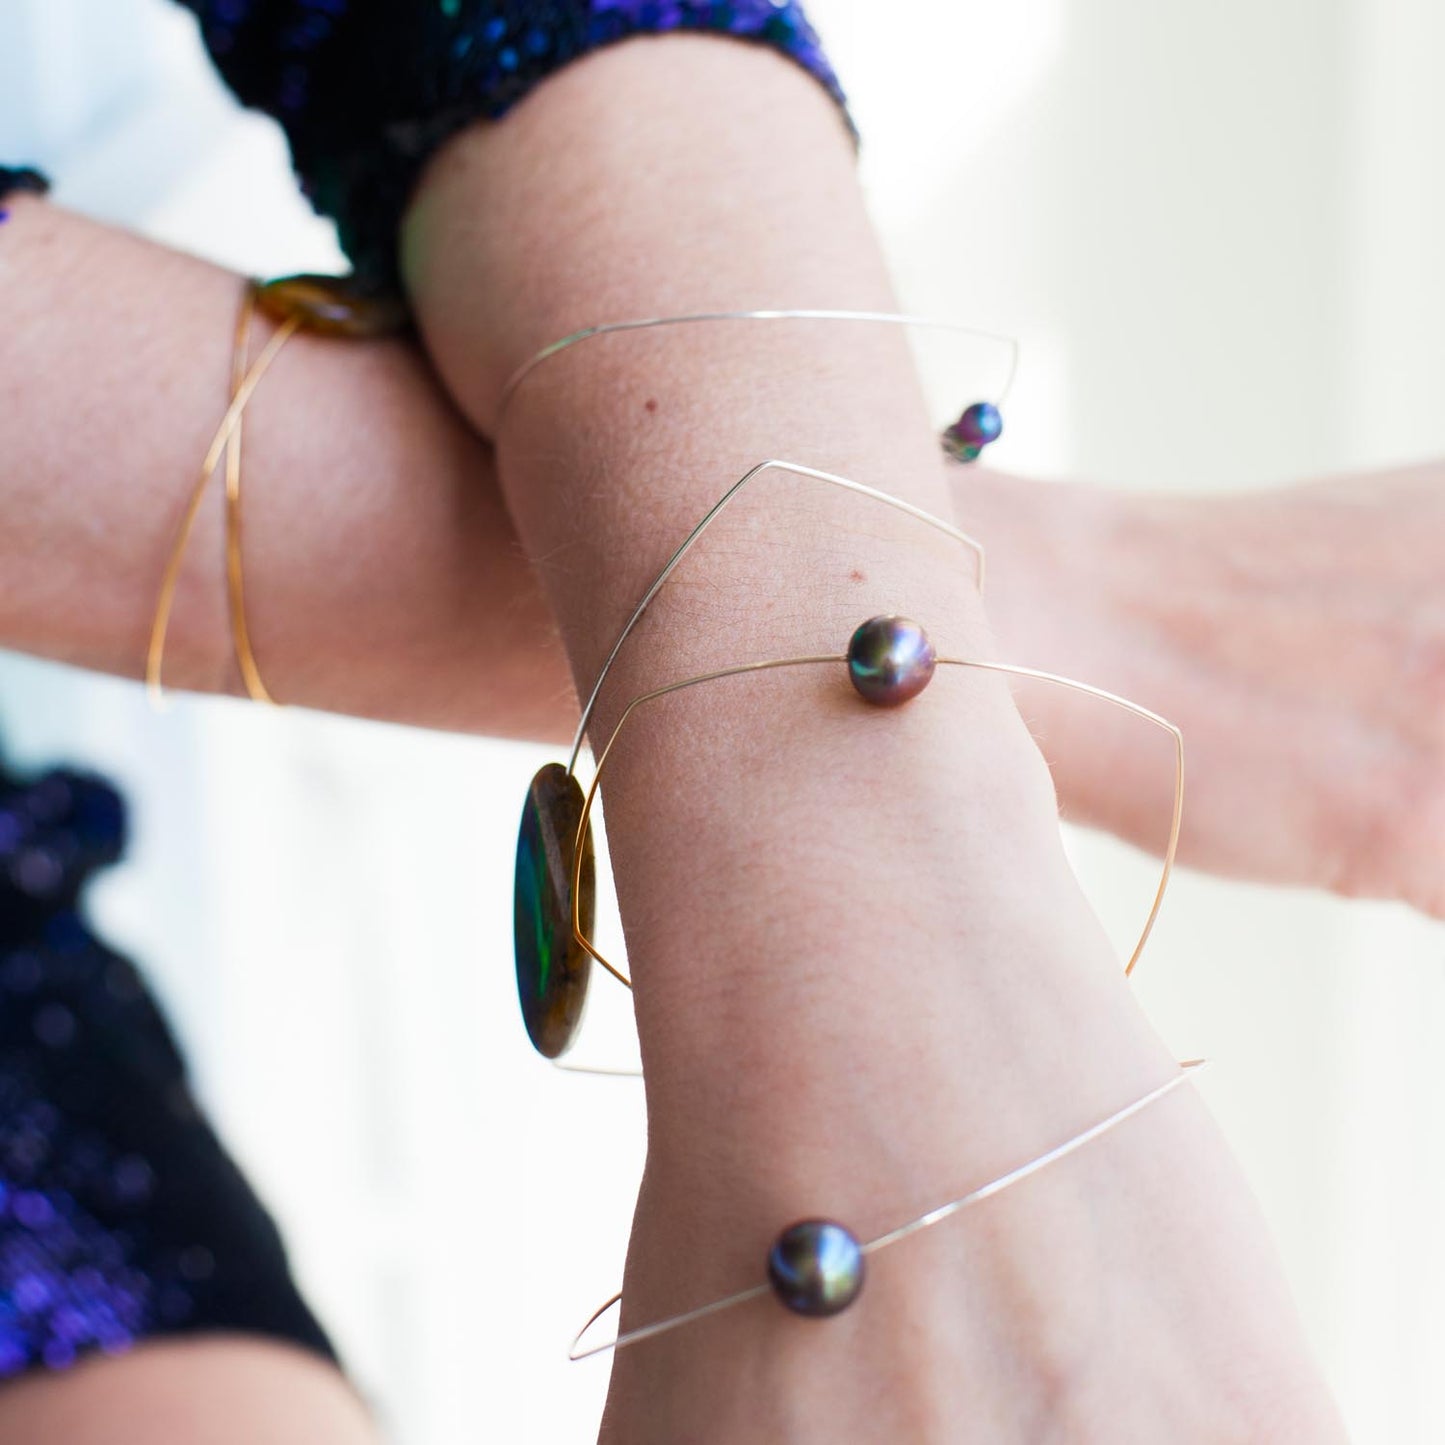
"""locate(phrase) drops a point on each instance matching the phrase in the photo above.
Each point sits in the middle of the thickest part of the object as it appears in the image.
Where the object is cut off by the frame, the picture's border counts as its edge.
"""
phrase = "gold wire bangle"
(571, 921)
(227, 439)
(937, 1215)
(918, 514)
(235, 572)
(773, 464)
(580, 852)
(1010, 669)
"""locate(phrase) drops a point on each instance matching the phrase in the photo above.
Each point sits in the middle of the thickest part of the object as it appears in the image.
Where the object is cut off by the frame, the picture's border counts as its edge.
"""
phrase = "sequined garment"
(121, 1216)
(368, 89)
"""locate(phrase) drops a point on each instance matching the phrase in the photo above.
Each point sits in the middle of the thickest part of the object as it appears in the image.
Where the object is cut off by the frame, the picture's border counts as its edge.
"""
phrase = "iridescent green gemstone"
(552, 967)
(332, 306)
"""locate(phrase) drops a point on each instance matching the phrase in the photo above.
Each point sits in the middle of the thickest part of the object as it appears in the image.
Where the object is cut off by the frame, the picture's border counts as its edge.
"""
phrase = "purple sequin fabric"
(121, 1216)
(68, 1283)
(368, 89)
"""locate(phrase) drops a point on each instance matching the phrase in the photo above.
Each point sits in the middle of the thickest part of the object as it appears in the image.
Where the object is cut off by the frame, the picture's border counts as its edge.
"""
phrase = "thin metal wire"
(646, 323)
(902, 1232)
(235, 574)
(170, 577)
(710, 516)
(1088, 689)
(596, 1071)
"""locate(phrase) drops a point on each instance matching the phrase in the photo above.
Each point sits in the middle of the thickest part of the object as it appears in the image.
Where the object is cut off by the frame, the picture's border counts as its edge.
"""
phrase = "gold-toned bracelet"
(889, 660)
(555, 876)
(323, 305)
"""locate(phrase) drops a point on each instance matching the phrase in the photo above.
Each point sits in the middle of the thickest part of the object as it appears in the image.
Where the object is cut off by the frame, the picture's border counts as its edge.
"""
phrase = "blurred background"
(1218, 231)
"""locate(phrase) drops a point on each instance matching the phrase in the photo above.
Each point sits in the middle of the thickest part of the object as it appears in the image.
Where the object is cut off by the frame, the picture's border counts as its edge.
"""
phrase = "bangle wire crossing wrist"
(227, 440)
(881, 1242)
(337, 306)
(324, 305)
(815, 1267)
(979, 425)
(555, 889)
(648, 323)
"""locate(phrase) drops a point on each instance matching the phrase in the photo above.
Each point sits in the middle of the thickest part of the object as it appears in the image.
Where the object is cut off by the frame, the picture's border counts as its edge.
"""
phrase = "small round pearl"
(981, 424)
(978, 427)
(816, 1268)
(890, 660)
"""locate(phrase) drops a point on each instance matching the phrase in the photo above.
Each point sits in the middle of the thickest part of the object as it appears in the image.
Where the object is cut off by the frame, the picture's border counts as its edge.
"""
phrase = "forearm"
(861, 965)
(1289, 633)
(384, 576)
(610, 453)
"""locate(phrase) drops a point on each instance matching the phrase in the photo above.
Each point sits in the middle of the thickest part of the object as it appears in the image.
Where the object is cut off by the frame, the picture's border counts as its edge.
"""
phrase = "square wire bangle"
(555, 883)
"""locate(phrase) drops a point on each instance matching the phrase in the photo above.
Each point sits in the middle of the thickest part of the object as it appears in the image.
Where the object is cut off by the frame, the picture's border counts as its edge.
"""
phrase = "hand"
(1296, 636)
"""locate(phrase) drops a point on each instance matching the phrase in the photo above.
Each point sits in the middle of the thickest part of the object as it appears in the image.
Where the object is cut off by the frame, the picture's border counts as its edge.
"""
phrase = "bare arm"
(398, 589)
(385, 576)
(1298, 637)
(862, 967)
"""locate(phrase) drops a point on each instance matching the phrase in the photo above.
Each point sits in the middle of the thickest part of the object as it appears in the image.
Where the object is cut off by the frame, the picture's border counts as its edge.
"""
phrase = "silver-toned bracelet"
(816, 1267)
(555, 877)
(978, 426)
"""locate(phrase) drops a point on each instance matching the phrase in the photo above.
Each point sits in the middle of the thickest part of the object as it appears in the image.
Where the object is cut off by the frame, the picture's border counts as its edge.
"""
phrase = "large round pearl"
(816, 1268)
(890, 660)
(553, 969)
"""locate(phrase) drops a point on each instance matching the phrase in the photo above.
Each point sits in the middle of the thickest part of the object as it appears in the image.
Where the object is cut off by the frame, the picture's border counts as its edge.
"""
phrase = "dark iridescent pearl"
(553, 969)
(816, 1268)
(890, 660)
(978, 427)
(332, 306)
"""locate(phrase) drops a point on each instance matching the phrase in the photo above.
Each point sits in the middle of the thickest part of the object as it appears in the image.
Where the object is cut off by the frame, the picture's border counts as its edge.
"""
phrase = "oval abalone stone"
(816, 1268)
(553, 969)
(333, 306)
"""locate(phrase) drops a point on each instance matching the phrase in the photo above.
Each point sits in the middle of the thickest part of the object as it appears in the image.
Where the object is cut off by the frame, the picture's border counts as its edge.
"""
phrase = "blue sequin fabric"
(121, 1216)
(368, 89)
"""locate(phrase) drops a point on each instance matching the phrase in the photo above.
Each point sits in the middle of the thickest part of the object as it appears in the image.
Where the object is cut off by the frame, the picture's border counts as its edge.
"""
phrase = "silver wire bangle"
(557, 816)
(893, 1236)
(760, 469)
(647, 323)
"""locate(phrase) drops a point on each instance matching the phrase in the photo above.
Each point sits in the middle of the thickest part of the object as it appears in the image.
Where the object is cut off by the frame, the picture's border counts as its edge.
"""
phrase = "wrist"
(840, 1079)
(1086, 581)
(1094, 1286)
(1053, 550)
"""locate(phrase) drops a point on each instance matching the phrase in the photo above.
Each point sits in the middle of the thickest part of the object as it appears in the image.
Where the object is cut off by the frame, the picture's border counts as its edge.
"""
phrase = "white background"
(1218, 231)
